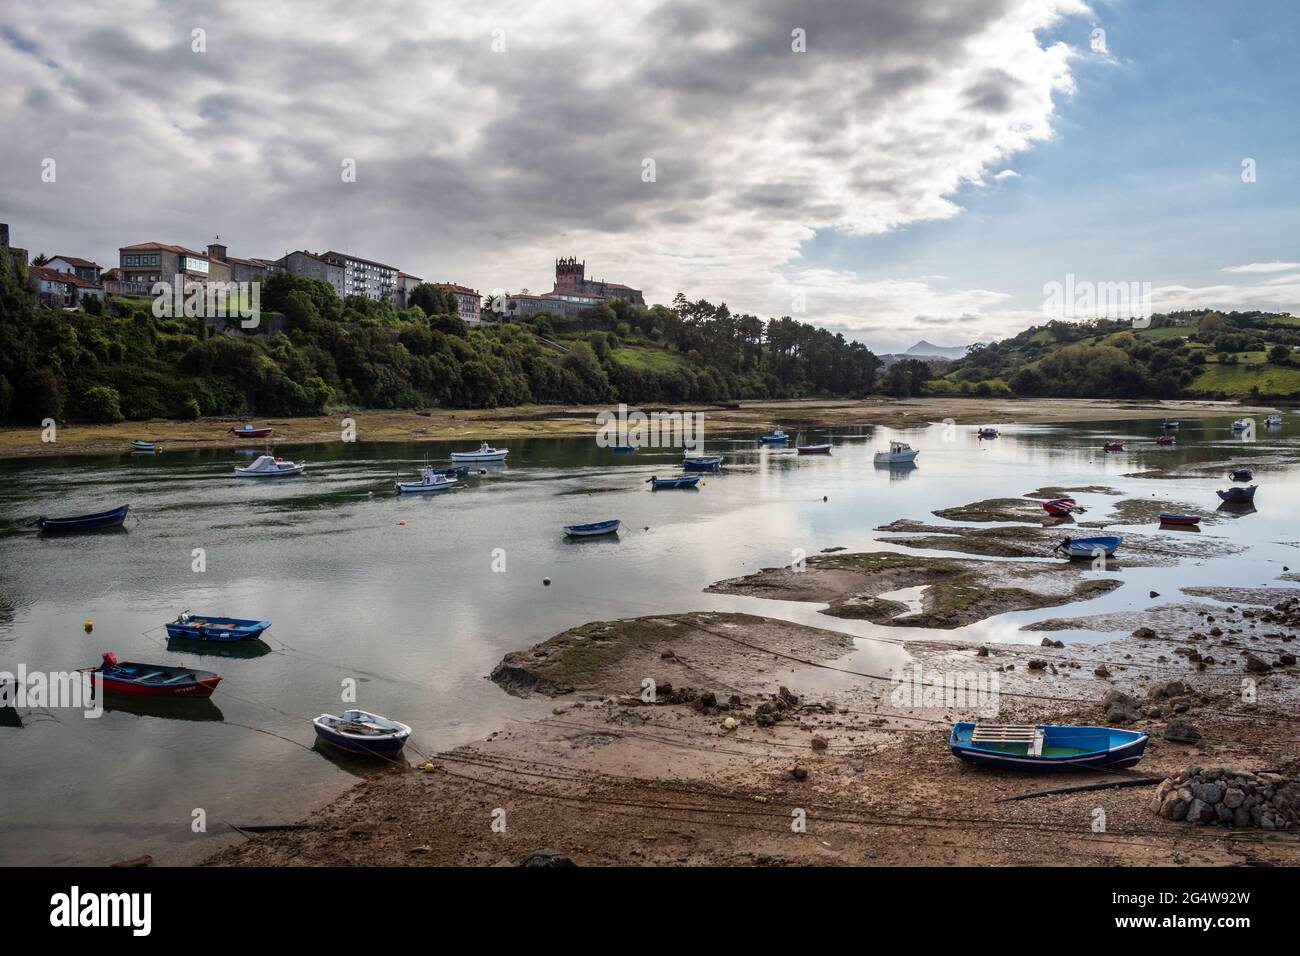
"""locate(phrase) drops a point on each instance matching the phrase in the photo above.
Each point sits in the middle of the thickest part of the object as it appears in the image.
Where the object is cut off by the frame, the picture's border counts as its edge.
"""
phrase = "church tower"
(569, 274)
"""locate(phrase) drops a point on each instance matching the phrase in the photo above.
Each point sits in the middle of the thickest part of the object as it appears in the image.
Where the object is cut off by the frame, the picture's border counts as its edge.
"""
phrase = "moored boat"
(1061, 506)
(1238, 494)
(485, 453)
(814, 449)
(361, 732)
(988, 433)
(1273, 421)
(1090, 547)
(91, 522)
(899, 453)
(702, 463)
(202, 627)
(1180, 519)
(593, 529)
(1243, 424)
(777, 437)
(141, 445)
(1169, 424)
(623, 449)
(681, 481)
(1165, 440)
(269, 466)
(430, 481)
(1241, 474)
(153, 680)
(1113, 445)
(1046, 747)
(248, 431)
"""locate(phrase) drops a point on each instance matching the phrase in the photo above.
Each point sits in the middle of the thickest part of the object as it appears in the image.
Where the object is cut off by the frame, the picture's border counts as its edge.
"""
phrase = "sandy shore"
(537, 421)
(828, 762)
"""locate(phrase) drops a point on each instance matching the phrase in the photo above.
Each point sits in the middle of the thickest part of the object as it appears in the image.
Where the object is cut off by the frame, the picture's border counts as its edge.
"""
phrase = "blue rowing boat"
(1046, 748)
(1238, 494)
(624, 449)
(1090, 547)
(361, 732)
(681, 481)
(202, 627)
(702, 463)
(94, 522)
(589, 530)
(777, 437)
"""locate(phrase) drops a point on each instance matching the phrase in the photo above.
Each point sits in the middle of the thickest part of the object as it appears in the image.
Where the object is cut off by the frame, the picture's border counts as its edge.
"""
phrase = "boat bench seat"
(150, 676)
(1027, 734)
(178, 678)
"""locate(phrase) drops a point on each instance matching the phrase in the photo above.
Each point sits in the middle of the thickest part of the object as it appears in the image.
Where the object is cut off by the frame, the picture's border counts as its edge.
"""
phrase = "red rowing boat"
(1113, 446)
(153, 680)
(1165, 440)
(248, 431)
(814, 449)
(1060, 506)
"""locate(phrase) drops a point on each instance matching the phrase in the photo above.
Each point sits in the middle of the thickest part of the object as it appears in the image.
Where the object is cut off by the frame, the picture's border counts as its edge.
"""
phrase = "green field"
(1236, 381)
(648, 358)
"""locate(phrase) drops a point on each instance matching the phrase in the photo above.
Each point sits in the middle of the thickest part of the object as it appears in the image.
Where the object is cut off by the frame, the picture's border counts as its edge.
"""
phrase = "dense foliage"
(315, 351)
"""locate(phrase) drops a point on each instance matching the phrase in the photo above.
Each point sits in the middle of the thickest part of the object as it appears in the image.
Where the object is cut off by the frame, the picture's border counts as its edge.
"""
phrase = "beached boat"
(900, 453)
(361, 732)
(153, 680)
(430, 481)
(1273, 421)
(1090, 547)
(1166, 440)
(140, 445)
(248, 431)
(485, 453)
(76, 523)
(1238, 494)
(1243, 424)
(1114, 445)
(1046, 747)
(681, 481)
(814, 449)
(1061, 506)
(988, 433)
(591, 530)
(202, 627)
(1241, 474)
(268, 466)
(1180, 519)
(777, 437)
(703, 463)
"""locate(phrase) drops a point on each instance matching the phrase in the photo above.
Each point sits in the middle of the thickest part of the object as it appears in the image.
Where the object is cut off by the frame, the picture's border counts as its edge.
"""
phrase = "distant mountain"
(924, 349)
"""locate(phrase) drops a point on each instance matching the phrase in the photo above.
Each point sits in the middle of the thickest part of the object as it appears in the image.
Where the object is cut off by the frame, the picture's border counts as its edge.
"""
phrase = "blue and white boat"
(140, 445)
(92, 522)
(430, 481)
(485, 453)
(1090, 547)
(623, 449)
(702, 463)
(1046, 748)
(591, 530)
(361, 732)
(1243, 424)
(681, 481)
(203, 627)
(1273, 421)
(777, 437)
(269, 466)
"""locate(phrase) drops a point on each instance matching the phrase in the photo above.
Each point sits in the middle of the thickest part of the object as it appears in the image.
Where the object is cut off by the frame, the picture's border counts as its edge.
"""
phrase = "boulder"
(1120, 708)
(1182, 731)
(546, 858)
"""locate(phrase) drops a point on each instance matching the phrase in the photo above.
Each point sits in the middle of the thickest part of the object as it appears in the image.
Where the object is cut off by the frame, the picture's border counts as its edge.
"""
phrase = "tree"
(1279, 355)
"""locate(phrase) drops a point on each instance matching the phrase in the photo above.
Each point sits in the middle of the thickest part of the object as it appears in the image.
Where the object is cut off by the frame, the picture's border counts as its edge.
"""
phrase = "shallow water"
(417, 615)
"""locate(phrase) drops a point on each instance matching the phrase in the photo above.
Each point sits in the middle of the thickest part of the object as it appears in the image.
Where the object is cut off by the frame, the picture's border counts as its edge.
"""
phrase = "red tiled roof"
(67, 278)
(161, 247)
(74, 261)
(460, 289)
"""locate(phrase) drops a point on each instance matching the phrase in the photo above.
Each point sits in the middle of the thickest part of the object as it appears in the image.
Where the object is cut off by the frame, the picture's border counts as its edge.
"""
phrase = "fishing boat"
(1180, 519)
(988, 433)
(1168, 424)
(1046, 747)
(1061, 506)
(269, 466)
(777, 437)
(76, 523)
(153, 680)
(485, 453)
(361, 732)
(814, 449)
(430, 481)
(703, 463)
(202, 627)
(248, 431)
(1090, 547)
(900, 453)
(1238, 494)
(1241, 474)
(681, 481)
(1243, 424)
(1273, 421)
(140, 445)
(1114, 445)
(1165, 440)
(591, 530)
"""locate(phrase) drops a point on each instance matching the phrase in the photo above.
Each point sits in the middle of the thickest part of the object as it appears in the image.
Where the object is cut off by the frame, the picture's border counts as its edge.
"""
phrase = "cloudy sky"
(921, 168)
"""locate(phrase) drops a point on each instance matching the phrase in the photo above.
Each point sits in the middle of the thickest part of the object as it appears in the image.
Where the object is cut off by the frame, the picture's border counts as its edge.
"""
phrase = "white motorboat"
(268, 466)
(899, 453)
(1243, 424)
(430, 481)
(1273, 421)
(485, 453)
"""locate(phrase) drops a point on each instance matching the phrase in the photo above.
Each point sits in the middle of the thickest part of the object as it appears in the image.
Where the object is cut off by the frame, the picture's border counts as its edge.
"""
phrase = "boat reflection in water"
(165, 708)
(1237, 509)
(244, 650)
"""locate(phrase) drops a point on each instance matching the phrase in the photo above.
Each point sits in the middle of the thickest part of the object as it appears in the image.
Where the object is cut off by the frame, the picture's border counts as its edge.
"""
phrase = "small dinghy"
(1180, 519)
(1238, 494)
(591, 530)
(77, 523)
(777, 437)
(703, 463)
(140, 445)
(623, 449)
(268, 466)
(1090, 547)
(1061, 506)
(1273, 421)
(1166, 440)
(1243, 424)
(900, 453)
(1046, 747)
(1115, 445)
(225, 630)
(485, 453)
(1241, 474)
(430, 481)
(987, 433)
(814, 449)
(361, 732)
(681, 481)
(248, 431)
(1168, 424)
(153, 680)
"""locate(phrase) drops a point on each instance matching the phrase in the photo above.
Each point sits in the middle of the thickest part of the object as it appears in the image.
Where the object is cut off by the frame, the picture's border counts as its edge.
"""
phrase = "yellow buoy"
(90, 625)
(729, 723)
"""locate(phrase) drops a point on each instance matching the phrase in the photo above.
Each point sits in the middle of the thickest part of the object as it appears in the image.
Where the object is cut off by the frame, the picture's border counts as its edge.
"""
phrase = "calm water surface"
(416, 615)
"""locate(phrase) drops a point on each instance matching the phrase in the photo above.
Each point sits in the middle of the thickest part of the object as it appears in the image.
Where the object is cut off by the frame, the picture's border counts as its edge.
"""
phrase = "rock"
(798, 773)
(1173, 807)
(145, 860)
(1233, 798)
(1207, 792)
(1255, 664)
(1182, 731)
(1223, 814)
(982, 652)
(1286, 660)
(1169, 688)
(546, 858)
(1241, 817)
(1102, 670)
(1144, 634)
(1037, 665)
(819, 743)
(1200, 812)
(1120, 708)
(1155, 594)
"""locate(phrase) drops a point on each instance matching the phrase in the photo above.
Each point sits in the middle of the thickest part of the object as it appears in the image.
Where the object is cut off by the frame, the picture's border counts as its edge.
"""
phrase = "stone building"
(469, 300)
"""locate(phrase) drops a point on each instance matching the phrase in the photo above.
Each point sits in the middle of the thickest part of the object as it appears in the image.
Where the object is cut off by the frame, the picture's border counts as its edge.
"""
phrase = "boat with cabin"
(269, 466)
(1235, 495)
(899, 453)
(1243, 424)
(431, 481)
(485, 452)
(777, 437)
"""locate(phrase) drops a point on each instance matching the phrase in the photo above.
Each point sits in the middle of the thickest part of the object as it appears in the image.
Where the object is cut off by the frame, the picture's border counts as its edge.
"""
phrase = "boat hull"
(1238, 494)
(423, 487)
(252, 432)
(1082, 748)
(663, 484)
(706, 463)
(372, 745)
(1089, 547)
(278, 473)
(221, 630)
(592, 530)
(79, 523)
(814, 449)
(124, 679)
(1180, 519)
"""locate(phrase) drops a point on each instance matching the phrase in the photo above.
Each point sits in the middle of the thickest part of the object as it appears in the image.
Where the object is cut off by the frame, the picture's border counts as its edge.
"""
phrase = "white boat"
(485, 453)
(268, 466)
(1273, 421)
(899, 453)
(430, 481)
(361, 732)
(1242, 424)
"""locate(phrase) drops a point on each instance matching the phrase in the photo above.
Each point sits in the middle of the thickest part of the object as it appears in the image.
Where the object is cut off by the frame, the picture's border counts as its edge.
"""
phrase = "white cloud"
(1007, 174)
(1262, 267)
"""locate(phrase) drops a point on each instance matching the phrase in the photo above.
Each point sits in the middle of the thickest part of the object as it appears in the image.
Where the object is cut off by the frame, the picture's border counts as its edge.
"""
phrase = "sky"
(890, 169)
